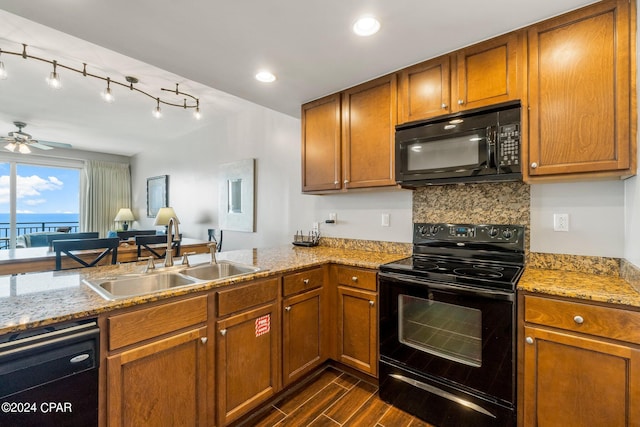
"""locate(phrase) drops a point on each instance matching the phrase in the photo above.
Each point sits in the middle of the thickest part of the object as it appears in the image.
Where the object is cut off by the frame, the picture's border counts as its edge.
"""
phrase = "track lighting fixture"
(54, 81)
(106, 94)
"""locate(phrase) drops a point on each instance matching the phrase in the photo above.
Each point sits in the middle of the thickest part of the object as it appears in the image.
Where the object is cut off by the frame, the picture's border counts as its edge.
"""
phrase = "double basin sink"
(129, 285)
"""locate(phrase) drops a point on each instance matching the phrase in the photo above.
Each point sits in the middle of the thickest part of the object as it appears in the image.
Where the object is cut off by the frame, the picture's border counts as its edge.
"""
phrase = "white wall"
(273, 139)
(596, 218)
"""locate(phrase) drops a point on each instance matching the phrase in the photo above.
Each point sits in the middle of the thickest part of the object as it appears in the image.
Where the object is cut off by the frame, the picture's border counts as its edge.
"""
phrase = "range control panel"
(467, 232)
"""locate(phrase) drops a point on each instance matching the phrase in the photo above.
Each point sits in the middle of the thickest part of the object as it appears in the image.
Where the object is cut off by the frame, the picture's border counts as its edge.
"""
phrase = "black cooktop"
(485, 255)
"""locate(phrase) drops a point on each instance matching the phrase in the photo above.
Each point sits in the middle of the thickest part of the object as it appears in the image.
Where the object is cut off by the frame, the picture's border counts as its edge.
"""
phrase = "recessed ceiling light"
(265, 76)
(366, 26)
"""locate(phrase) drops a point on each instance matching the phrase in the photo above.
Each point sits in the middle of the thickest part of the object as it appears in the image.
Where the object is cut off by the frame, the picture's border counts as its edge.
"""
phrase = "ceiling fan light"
(24, 149)
(10, 146)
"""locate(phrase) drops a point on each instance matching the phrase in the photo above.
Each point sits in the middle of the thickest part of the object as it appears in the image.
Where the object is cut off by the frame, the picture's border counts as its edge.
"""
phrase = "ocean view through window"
(39, 199)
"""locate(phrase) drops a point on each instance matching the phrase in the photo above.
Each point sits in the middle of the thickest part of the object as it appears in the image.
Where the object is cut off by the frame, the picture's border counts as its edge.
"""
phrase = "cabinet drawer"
(357, 278)
(136, 326)
(303, 281)
(236, 299)
(600, 321)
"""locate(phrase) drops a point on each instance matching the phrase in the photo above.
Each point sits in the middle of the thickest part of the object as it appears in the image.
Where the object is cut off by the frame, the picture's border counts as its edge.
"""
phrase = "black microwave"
(473, 146)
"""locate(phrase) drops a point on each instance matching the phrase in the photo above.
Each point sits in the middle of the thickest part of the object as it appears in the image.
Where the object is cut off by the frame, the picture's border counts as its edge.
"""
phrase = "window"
(36, 198)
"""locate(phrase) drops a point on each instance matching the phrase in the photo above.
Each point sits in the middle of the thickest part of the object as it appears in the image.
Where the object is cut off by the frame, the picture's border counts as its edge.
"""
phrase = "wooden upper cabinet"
(424, 90)
(321, 144)
(486, 73)
(581, 83)
(369, 117)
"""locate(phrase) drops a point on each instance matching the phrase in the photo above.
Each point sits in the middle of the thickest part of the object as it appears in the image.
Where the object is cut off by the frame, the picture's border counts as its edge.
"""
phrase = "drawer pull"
(204, 340)
(354, 279)
(305, 281)
(287, 308)
(529, 340)
(223, 332)
(371, 303)
(578, 319)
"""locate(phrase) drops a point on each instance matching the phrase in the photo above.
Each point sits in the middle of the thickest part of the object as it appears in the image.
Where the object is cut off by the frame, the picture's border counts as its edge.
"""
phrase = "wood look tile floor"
(335, 398)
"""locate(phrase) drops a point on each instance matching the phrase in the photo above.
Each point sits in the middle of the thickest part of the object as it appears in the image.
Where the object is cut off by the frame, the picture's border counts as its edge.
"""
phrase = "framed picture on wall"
(157, 194)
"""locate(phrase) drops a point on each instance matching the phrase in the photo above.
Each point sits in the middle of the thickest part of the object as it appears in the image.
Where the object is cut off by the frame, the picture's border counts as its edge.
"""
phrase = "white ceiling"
(213, 49)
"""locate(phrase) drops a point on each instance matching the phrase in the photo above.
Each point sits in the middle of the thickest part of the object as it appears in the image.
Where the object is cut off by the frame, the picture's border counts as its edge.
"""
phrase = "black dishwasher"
(49, 376)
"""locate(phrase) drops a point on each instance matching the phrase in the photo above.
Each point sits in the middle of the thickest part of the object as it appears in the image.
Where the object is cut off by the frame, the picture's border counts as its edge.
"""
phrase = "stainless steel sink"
(133, 285)
(129, 285)
(221, 270)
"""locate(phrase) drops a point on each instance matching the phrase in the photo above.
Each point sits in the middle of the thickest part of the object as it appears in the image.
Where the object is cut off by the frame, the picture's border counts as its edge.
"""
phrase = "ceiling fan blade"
(39, 145)
(51, 144)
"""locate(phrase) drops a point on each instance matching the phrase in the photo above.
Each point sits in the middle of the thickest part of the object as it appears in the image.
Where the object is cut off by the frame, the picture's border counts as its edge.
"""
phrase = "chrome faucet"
(172, 230)
(213, 246)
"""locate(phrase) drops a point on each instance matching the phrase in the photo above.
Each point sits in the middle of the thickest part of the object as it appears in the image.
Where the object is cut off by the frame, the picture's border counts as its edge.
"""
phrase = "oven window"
(445, 154)
(446, 330)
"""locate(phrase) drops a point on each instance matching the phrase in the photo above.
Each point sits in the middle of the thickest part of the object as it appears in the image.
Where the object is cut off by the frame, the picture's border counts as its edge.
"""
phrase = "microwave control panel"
(509, 146)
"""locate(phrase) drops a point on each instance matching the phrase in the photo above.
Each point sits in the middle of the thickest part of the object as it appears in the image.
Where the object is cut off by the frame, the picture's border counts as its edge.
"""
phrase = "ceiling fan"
(22, 141)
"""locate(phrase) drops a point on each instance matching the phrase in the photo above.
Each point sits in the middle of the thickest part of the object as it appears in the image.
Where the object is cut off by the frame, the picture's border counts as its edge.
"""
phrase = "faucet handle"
(185, 258)
(151, 265)
(212, 249)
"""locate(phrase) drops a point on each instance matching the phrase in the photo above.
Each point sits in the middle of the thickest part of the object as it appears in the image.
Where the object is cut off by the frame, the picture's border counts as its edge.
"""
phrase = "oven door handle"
(481, 292)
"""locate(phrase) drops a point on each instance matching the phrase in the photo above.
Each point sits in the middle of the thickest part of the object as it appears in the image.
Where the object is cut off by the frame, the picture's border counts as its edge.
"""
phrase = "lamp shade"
(124, 214)
(163, 216)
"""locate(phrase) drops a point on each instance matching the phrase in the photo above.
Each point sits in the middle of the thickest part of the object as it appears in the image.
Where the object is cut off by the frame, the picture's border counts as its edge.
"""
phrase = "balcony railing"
(34, 227)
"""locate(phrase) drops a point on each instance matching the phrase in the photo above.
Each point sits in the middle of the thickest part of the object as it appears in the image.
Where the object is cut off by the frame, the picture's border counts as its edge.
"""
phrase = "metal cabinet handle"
(204, 340)
(578, 319)
(354, 279)
(346, 181)
(305, 281)
(460, 101)
(529, 340)
(371, 303)
(534, 165)
(287, 308)
(336, 182)
(223, 332)
(443, 105)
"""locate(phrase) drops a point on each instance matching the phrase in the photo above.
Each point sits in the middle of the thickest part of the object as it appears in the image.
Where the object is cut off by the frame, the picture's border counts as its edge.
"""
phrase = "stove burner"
(427, 266)
(478, 272)
(489, 267)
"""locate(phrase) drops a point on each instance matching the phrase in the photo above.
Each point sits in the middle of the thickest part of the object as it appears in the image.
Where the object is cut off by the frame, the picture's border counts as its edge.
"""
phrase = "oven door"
(457, 334)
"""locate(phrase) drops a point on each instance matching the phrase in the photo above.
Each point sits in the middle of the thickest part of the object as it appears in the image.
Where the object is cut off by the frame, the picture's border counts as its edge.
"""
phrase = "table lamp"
(163, 216)
(124, 215)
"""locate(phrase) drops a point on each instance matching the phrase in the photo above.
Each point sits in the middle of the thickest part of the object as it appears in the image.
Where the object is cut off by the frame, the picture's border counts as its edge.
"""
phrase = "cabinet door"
(358, 329)
(579, 90)
(321, 144)
(368, 133)
(302, 334)
(424, 90)
(247, 361)
(570, 380)
(487, 73)
(159, 384)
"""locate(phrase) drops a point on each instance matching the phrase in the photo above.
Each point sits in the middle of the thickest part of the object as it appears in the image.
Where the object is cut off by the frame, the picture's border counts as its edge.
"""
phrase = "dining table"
(29, 260)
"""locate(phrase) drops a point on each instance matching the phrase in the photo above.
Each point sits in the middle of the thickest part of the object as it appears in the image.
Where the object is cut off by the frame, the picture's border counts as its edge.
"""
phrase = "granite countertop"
(591, 287)
(37, 299)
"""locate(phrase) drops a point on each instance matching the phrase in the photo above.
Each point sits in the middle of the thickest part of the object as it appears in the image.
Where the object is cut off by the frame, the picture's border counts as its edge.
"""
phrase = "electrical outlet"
(560, 222)
(385, 220)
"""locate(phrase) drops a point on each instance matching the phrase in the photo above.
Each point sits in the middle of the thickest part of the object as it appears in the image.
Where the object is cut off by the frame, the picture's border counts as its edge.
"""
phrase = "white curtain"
(105, 187)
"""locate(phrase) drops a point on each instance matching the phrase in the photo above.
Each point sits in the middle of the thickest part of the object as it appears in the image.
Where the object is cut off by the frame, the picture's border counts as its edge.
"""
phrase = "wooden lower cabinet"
(160, 384)
(247, 361)
(573, 375)
(302, 334)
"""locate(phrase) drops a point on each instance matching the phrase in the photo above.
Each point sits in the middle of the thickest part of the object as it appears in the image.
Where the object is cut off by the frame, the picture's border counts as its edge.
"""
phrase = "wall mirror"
(236, 204)
(157, 194)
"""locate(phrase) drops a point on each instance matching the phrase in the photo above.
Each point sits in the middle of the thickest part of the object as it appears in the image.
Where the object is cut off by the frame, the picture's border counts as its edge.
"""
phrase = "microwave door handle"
(491, 147)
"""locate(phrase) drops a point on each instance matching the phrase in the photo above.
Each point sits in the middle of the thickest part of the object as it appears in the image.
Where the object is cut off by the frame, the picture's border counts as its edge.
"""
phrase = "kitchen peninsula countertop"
(585, 286)
(37, 299)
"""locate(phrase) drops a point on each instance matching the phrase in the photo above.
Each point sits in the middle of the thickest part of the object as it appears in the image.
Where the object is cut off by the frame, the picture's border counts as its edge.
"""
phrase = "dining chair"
(71, 236)
(145, 242)
(129, 234)
(68, 246)
(211, 232)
